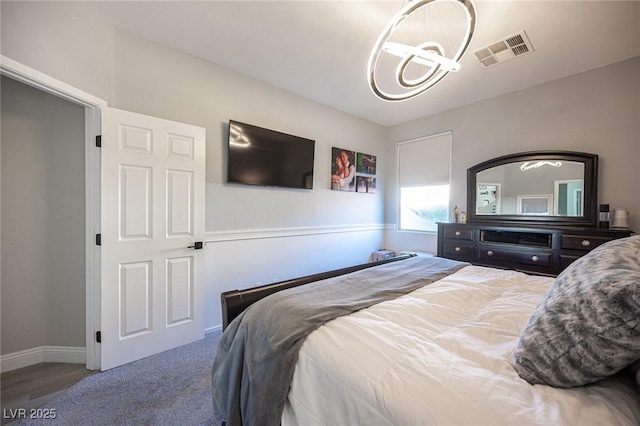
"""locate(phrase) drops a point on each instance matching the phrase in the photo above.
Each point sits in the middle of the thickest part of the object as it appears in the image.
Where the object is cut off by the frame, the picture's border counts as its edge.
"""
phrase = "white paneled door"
(152, 224)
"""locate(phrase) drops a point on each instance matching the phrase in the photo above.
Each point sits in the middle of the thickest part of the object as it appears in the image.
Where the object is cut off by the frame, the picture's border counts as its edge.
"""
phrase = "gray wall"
(261, 235)
(597, 112)
(43, 208)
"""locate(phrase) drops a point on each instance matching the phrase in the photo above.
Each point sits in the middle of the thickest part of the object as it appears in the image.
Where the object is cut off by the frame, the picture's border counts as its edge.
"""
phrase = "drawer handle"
(535, 258)
(458, 249)
(585, 243)
(489, 253)
(458, 233)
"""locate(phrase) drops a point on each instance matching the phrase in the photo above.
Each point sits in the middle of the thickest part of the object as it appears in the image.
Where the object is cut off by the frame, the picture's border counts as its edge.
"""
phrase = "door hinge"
(98, 239)
(99, 141)
(98, 337)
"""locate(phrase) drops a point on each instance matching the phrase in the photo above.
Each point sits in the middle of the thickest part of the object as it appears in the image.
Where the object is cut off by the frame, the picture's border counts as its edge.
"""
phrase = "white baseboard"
(213, 329)
(21, 359)
(65, 354)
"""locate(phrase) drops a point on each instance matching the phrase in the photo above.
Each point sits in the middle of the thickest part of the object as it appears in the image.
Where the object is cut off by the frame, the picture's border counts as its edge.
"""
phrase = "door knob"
(197, 245)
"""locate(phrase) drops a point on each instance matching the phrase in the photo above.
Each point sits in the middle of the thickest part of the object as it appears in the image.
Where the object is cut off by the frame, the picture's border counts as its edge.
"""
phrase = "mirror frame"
(590, 192)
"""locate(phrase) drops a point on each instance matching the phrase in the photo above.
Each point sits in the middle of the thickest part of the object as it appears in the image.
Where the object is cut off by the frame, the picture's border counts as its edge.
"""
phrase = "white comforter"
(441, 355)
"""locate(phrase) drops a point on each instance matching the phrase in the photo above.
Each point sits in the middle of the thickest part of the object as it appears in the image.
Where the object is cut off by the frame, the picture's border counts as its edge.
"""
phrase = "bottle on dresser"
(603, 217)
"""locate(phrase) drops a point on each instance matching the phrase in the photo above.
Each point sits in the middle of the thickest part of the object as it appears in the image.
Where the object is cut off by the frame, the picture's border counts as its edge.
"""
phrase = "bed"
(427, 340)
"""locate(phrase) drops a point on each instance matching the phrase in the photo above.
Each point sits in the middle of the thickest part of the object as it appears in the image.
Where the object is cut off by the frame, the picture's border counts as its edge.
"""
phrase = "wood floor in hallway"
(32, 387)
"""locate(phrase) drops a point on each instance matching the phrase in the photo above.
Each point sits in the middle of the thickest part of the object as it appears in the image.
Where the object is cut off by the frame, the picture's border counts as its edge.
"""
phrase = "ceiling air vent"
(509, 48)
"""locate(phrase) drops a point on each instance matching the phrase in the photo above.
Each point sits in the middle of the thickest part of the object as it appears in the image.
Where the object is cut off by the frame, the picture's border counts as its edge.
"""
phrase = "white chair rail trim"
(254, 234)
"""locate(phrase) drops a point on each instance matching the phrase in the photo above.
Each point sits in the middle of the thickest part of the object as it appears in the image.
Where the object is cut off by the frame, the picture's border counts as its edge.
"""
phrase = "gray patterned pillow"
(587, 326)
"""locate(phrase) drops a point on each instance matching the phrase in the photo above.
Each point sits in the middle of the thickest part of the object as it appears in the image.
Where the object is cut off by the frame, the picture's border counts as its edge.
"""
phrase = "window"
(423, 181)
(422, 207)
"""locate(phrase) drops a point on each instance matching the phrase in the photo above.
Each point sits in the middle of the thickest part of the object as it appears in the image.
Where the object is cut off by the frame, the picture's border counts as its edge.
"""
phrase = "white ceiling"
(319, 49)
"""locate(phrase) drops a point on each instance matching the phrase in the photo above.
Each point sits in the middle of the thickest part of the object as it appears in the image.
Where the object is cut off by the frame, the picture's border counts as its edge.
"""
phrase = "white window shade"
(425, 161)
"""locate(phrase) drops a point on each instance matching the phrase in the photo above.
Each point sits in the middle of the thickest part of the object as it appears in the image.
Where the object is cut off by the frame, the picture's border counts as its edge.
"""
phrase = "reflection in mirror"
(546, 188)
(488, 197)
(568, 198)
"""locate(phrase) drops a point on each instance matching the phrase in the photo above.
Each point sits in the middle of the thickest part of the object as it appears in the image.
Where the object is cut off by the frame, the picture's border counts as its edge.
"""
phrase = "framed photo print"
(366, 163)
(366, 184)
(343, 169)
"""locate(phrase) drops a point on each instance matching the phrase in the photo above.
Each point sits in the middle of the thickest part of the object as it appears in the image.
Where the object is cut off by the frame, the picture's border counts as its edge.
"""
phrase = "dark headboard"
(235, 301)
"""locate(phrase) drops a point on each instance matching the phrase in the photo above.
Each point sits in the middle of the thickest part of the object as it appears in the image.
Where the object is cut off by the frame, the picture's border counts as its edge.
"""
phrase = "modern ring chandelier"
(419, 64)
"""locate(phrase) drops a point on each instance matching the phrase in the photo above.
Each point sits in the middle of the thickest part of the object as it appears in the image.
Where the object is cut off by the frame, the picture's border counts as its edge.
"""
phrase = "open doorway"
(43, 225)
(90, 107)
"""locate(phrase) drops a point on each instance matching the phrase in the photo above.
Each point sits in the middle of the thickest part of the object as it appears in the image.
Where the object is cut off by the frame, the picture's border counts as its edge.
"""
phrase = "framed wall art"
(353, 171)
(343, 169)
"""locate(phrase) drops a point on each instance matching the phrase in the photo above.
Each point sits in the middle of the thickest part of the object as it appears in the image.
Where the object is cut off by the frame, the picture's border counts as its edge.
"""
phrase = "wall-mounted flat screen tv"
(258, 156)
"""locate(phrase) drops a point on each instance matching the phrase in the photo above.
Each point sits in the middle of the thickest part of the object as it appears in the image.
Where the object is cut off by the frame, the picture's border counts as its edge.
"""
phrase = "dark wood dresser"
(543, 250)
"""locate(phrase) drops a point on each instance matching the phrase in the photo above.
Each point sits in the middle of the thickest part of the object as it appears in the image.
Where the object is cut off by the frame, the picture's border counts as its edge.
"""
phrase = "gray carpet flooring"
(170, 388)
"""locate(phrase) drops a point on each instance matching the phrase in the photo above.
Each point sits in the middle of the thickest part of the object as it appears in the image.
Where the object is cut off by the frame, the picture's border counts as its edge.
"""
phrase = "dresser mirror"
(549, 187)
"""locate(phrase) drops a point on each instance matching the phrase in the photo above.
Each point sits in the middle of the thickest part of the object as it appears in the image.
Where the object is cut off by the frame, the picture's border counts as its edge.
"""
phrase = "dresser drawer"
(514, 256)
(458, 233)
(543, 250)
(458, 250)
(584, 243)
(566, 260)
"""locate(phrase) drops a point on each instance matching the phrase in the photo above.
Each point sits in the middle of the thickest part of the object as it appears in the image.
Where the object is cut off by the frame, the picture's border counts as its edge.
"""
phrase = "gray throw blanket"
(256, 355)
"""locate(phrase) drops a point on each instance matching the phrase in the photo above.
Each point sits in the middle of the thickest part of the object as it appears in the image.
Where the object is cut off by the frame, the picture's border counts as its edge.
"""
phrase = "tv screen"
(258, 156)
